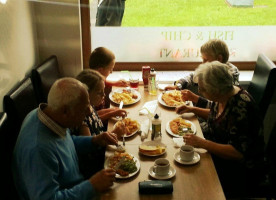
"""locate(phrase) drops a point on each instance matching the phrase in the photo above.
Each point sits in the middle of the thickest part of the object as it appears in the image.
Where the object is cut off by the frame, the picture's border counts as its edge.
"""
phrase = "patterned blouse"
(240, 126)
(93, 122)
(92, 163)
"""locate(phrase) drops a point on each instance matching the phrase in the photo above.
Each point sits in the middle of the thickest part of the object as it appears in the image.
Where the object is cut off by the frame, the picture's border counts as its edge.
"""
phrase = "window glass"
(173, 31)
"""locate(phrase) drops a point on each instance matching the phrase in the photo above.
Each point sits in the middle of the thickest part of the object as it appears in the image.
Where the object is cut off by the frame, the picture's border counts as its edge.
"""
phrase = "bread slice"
(151, 149)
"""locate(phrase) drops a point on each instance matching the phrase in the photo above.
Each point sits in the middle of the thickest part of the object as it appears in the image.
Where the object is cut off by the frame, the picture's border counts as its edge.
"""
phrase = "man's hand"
(105, 138)
(103, 179)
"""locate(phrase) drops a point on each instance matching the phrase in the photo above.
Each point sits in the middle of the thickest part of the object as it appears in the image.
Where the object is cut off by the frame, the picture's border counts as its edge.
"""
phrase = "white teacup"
(161, 167)
(187, 153)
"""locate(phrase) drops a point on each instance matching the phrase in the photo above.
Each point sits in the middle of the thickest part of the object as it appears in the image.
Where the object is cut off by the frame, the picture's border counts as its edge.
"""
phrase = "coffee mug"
(161, 167)
(187, 153)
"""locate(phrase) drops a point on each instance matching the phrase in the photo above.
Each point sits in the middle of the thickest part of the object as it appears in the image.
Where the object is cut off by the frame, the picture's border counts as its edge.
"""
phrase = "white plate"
(168, 129)
(160, 100)
(139, 125)
(120, 90)
(195, 160)
(153, 143)
(106, 166)
(171, 174)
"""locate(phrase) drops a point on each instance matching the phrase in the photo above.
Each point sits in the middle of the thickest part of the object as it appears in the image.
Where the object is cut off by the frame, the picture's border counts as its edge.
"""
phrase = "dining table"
(192, 181)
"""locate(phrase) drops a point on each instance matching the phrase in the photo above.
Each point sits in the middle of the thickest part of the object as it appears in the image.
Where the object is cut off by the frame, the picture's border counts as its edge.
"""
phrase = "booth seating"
(270, 150)
(43, 77)
(263, 88)
(8, 188)
(17, 104)
(263, 84)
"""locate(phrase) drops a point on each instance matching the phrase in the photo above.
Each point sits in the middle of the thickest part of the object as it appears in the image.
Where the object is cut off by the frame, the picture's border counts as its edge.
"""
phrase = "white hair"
(215, 78)
(66, 92)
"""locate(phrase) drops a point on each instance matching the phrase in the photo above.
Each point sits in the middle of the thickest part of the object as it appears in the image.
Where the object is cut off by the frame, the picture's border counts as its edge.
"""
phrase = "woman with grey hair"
(234, 136)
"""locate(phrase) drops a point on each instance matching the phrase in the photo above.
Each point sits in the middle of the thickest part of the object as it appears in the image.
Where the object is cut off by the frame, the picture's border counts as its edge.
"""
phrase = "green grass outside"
(159, 13)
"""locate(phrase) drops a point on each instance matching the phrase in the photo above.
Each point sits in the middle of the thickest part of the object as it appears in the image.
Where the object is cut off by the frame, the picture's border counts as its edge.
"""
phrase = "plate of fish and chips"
(171, 98)
(126, 165)
(179, 127)
(132, 126)
(128, 96)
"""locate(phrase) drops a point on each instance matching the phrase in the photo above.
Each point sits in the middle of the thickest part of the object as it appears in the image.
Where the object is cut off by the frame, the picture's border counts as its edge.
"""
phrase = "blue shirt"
(45, 164)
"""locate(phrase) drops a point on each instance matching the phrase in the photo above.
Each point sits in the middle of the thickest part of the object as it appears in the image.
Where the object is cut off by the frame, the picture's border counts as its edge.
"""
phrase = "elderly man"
(45, 163)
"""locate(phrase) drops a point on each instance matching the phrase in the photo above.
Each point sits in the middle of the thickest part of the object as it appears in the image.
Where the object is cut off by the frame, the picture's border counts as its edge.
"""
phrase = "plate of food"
(152, 148)
(179, 127)
(128, 96)
(132, 126)
(126, 165)
(171, 98)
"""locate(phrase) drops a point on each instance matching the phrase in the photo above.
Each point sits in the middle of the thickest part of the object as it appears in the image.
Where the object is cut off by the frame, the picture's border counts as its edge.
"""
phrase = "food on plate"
(122, 163)
(152, 149)
(127, 96)
(131, 125)
(173, 98)
(180, 126)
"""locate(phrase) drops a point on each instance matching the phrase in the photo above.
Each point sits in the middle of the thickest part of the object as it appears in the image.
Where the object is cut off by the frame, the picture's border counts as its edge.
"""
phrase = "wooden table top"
(198, 181)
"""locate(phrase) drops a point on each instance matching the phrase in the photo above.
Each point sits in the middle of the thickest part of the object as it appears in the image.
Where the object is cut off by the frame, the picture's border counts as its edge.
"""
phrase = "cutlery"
(119, 163)
(184, 129)
(120, 148)
(124, 143)
(120, 107)
(128, 89)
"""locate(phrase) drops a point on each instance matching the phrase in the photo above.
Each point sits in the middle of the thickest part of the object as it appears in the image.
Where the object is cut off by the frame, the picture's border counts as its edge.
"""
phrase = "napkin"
(178, 142)
(149, 106)
(145, 129)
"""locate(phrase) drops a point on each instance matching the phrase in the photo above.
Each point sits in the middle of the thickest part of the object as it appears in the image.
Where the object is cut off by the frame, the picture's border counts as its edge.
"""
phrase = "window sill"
(171, 76)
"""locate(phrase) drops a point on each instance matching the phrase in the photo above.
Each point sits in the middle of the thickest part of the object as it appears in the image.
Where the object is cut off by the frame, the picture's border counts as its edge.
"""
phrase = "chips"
(131, 125)
(173, 98)
(126, 96)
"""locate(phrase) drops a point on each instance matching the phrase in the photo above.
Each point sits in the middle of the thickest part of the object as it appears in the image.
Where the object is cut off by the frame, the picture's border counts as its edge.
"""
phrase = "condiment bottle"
(145, 75)
(152, 82)
(156, 127)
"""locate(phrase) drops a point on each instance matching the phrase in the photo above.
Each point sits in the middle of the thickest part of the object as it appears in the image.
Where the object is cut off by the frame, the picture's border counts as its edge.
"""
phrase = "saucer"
(171, 174)
(194, 161)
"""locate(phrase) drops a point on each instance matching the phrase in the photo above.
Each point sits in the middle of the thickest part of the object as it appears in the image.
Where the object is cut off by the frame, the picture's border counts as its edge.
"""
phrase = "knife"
(120, 107)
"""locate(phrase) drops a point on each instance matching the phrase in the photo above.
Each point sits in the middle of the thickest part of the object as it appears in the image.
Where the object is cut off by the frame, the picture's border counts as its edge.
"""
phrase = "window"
(166, 31)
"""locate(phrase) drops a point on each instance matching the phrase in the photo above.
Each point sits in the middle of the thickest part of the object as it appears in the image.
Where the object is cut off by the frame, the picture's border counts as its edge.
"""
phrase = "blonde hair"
(91, 78)
(100, 57)
(214, 48)
(215, 78)
(66, 92)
